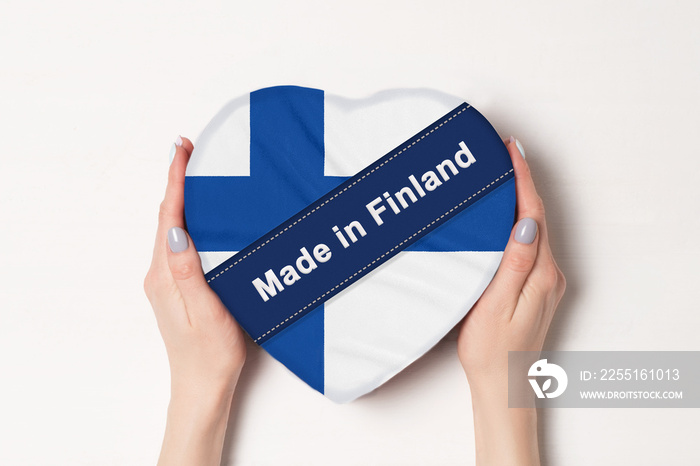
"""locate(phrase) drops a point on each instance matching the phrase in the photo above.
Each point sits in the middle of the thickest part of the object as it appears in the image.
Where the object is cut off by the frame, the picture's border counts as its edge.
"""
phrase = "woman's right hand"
(513, 314)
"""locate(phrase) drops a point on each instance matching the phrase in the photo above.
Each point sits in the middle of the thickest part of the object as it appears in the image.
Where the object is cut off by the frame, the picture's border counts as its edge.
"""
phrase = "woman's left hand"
(205, 345)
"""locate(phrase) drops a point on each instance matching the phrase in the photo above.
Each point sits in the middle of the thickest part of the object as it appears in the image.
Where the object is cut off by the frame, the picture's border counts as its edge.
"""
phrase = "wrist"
(200, 399)
(503, 435)
(506, 436)
(488, 384)
(196, 426)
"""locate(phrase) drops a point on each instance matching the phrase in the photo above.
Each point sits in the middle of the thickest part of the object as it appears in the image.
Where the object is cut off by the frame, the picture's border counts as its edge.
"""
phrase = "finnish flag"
(269, 154)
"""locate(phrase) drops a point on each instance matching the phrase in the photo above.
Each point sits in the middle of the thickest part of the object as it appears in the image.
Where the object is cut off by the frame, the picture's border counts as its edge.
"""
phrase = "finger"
(172, 208)
(528, 202)
(174, 201)
(186, 144)
(518, 261)
(520, 254)
(185, 266)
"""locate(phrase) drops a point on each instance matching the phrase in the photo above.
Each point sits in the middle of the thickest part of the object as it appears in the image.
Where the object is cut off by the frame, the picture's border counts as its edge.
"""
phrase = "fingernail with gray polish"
(525, 231)
(177, 239)
(173, 148)
(178, 141)
(520, 148)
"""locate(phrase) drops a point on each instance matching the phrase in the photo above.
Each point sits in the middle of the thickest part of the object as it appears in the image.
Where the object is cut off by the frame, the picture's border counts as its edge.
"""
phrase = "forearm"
(195, 429)
(504, 436)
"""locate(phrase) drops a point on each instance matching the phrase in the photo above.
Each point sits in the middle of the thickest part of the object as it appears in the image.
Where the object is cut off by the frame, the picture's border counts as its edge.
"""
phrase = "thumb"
(185, 265)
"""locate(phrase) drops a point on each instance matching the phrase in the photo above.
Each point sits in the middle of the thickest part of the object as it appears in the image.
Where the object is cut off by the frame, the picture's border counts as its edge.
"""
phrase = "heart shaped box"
(268, 155)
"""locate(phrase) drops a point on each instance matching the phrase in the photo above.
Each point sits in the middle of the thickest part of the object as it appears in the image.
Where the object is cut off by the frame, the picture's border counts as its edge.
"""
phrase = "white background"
(603, 95)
